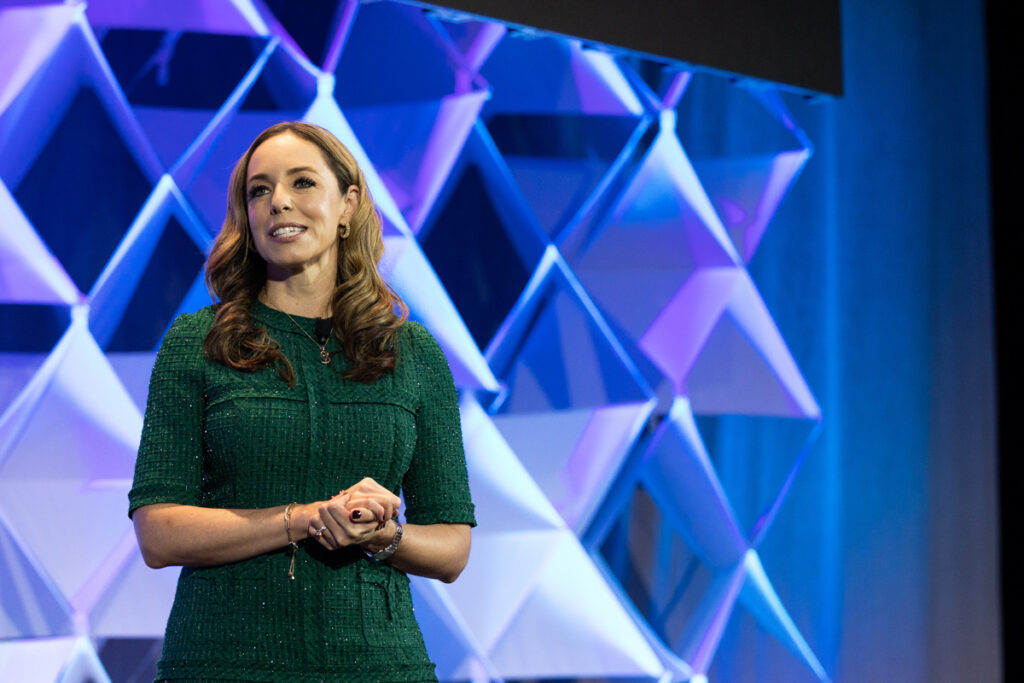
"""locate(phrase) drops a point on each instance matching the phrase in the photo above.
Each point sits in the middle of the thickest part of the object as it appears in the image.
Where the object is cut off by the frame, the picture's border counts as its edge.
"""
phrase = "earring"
(343, 231)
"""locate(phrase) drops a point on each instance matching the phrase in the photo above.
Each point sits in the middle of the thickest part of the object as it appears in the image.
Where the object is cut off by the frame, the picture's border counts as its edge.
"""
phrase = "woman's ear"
(350, 204)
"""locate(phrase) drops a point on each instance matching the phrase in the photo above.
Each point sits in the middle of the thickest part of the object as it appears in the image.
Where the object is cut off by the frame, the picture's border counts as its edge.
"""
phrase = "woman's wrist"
(380, 539)
(289, 523)
(301, 514)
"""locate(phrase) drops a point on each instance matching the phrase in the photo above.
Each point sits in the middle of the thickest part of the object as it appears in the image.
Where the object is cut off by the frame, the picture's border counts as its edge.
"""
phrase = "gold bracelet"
(288, 533)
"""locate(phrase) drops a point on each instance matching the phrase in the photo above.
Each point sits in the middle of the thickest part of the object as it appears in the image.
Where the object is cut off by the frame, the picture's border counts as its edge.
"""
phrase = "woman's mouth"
(287, 231)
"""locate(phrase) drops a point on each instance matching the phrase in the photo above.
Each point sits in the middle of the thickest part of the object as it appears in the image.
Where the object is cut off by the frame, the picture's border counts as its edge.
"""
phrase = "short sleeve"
(436, 486)
(170, 461)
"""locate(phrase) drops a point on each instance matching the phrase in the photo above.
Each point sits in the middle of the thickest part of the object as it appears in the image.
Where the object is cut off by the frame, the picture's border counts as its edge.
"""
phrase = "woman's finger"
(348, 526)
(369, 507)
(319, 531)
(361, 518)
(367, 487)
(337, 523)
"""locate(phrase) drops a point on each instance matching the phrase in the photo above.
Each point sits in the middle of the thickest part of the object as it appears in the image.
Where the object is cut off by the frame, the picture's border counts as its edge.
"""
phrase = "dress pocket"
(386, 605)
(251, 436)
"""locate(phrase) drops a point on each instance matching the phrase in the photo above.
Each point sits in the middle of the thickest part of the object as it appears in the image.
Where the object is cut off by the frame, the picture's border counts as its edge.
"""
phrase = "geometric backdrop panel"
(582, 263)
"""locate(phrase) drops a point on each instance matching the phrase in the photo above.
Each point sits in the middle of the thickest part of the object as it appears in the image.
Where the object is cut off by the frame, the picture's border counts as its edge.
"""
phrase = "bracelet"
(391, 547)
(288, 533)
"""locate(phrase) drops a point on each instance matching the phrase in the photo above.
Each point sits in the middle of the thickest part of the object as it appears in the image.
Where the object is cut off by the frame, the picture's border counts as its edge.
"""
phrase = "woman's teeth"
(287, 231)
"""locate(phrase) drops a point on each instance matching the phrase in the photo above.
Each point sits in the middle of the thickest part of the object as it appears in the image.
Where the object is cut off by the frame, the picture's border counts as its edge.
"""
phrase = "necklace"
(325, 355)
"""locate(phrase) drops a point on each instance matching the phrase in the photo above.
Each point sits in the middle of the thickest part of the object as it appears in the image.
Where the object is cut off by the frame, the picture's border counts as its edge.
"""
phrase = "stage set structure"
(561, 216)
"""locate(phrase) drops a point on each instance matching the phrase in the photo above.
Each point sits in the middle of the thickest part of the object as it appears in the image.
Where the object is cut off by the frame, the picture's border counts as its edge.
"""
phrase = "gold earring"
(344, 230)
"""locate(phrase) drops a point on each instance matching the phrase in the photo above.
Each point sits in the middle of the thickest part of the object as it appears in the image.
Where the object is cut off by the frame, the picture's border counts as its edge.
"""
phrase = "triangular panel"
(45, 660)
(418, 285)
(597, 637)
(507, 497)
(745, 366)
(136, 602)
(747, 191)
(31, 607)
(563, 77)
(31, 36)
(759, 597)
(29, 272)
(227, 16)
(659, 230)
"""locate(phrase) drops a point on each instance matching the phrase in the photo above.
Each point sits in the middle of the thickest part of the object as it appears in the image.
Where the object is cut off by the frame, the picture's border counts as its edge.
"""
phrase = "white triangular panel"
(136, 602)
(37, 31)
(574, 454)
(507, 497)
(51, 660)
(746, 367)
(29, 272)
(31, 606)
(488, 611)
(596, 636)
(93, 520)
(84, 425)
(224, 16)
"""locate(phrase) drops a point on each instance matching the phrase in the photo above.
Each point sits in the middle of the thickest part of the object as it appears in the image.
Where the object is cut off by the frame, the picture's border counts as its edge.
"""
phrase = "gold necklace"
(325, 355)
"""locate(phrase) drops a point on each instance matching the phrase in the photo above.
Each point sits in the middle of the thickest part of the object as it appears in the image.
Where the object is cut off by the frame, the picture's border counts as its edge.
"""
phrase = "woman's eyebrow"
(290, 171)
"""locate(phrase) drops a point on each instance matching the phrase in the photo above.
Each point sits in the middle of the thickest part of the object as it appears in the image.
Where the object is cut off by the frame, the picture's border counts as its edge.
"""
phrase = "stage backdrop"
(579, 231)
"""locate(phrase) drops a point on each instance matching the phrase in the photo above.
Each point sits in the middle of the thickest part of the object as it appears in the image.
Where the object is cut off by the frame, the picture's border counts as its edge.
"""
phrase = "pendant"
(325, 356)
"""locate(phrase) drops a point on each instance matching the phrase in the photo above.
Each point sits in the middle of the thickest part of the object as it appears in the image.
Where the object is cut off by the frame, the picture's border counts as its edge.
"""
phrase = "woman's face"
(295, 206)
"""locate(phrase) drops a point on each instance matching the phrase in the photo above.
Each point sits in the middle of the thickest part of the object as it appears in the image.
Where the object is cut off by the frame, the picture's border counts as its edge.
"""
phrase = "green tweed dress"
(216, 437)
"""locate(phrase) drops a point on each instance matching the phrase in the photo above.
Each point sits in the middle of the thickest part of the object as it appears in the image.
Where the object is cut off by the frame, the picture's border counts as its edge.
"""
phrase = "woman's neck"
(293, 296)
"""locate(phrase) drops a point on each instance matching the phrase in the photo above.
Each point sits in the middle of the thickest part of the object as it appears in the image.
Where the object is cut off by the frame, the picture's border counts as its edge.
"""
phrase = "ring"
(320, 531)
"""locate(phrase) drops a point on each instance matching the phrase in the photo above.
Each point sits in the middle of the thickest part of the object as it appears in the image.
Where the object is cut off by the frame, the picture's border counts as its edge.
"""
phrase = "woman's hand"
(356, 516)
(361, 515)
(369, 497)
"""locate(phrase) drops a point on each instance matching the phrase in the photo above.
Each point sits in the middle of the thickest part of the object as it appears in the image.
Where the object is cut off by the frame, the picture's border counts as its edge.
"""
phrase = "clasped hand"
(355, 516)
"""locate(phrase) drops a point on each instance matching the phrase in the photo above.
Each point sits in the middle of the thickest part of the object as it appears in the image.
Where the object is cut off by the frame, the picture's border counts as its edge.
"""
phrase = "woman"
(280, 425)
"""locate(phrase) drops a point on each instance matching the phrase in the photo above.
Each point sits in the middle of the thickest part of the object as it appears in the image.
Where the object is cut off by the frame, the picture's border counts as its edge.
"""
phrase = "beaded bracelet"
(293, 544)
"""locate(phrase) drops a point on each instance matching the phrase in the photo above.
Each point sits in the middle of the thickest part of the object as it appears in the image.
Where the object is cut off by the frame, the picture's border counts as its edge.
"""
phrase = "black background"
(1005, 149)
(795, 43)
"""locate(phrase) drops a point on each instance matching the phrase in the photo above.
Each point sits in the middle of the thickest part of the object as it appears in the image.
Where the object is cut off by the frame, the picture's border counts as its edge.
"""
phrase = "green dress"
(217, 437)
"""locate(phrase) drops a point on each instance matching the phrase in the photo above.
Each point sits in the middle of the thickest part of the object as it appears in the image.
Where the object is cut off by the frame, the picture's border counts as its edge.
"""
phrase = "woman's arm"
(171, 534)
(437, 551)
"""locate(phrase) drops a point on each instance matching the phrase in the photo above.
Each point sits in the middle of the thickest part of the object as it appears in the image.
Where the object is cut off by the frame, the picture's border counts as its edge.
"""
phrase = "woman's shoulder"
(418, 345)
(188, 330)
(413, 330)
(188, 326)
(423, 363)
(415, 337)
(181, 349)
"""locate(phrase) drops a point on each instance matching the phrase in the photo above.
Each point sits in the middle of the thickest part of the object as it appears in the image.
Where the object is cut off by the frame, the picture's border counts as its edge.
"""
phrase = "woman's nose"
(280, 200)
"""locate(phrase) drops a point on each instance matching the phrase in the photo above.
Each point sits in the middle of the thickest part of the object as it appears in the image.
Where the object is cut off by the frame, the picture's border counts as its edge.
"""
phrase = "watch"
(391, 547)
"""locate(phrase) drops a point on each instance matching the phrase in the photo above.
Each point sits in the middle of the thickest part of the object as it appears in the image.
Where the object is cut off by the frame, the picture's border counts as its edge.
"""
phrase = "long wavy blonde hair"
(366, 312)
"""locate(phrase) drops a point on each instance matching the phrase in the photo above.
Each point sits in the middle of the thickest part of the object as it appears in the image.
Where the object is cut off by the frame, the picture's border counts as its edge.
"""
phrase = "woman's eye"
(257, 191)
(305, 182)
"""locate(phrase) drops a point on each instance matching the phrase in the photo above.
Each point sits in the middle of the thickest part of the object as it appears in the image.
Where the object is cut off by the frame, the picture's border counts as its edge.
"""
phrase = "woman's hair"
(363, 306)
